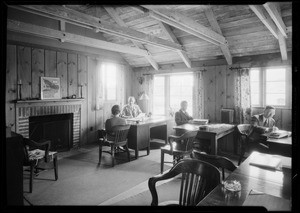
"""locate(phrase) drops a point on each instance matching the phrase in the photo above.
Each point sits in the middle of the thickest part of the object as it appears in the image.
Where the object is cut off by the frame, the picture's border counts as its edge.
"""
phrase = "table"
(282, 146)
(140, 133)
(272, 182)
(215, 132)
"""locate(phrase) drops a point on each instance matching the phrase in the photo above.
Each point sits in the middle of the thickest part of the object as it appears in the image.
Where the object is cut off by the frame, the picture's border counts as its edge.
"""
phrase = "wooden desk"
(140, 133)
(215, 132)
(281, 146)
(272, 182)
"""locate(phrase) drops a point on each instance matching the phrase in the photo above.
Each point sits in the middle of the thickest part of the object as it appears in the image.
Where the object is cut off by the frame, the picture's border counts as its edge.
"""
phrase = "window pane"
(181, 88)
(159, 95)
(277, 74)
(254, 99)
(254, 75)
(275, 99)
(254, 87)
(111, 84)
(276, 87)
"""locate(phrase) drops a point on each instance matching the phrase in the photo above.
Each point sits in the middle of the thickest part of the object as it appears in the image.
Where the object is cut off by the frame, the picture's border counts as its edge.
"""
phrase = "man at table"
(263, 123)
(131, 110)
(182, 116)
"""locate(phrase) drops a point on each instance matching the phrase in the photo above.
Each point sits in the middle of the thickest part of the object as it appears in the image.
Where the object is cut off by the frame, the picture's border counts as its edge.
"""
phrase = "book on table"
(264, 160)
(279, 134)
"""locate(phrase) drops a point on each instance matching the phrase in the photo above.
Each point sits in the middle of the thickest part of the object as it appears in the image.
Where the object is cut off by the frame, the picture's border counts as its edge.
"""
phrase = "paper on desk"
(263, 160)
(270, 202)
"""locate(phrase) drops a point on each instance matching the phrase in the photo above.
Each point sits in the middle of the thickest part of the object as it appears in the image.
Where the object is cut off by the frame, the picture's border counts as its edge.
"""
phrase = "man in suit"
(263, 123)
(182, 116)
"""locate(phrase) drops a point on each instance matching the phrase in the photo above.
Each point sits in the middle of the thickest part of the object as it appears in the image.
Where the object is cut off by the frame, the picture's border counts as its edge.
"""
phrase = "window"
(181, 88)
(170, 90)
(275, 87)
(159, 95)
(109, 81)
(269, 87)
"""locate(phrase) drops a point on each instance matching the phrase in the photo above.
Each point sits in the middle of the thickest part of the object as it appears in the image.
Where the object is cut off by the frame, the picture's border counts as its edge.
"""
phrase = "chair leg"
(100, 153)
(113, 155)
(55, 167)
(128, 153)
(162, 155)
(31, 178)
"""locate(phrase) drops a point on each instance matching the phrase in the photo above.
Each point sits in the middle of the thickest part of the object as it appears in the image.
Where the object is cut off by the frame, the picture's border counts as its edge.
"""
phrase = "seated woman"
(182, 116)
(115, 120)
(131, 110)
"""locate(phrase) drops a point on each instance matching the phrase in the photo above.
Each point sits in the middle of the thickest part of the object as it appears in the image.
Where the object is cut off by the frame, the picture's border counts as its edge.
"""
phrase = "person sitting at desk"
(182, 116)
(131, 110)
(263, 123)
(115, 120)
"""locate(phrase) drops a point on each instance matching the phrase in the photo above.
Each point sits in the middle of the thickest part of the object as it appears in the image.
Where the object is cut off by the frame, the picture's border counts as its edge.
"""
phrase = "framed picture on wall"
(50, 88)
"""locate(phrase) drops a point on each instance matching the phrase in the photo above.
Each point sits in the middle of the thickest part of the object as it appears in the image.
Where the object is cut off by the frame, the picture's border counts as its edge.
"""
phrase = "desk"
(272, 182)
(282, 146)
(140, 133)
(215, 132)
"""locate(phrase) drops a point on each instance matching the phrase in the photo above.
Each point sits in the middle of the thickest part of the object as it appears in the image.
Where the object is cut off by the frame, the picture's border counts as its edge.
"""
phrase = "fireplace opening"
(58, 128)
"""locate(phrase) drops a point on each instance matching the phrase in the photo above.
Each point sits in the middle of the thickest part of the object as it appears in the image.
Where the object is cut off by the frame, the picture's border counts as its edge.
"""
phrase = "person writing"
(131, 110)
(182, 116)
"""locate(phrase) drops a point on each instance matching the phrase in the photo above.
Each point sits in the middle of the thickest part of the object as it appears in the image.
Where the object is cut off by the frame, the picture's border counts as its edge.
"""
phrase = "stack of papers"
(200, 121)
(279, 134)
(263, 160)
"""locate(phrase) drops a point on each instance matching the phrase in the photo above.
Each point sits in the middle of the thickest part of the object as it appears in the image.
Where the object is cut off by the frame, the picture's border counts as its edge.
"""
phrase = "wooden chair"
(245, 130)
(34, 153)
(179, 146)
(218, 161)
(116, 139)
(198, 179)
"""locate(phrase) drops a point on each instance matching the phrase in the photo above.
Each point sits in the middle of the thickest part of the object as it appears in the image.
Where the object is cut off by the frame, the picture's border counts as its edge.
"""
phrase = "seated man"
(115, 120)
(182, 116)
(131, 110)
(263, 123)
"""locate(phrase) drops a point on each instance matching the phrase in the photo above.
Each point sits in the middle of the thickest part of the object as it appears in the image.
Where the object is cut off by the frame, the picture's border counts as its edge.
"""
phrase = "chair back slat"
(119, 135)
(218, 161)
(198, 179)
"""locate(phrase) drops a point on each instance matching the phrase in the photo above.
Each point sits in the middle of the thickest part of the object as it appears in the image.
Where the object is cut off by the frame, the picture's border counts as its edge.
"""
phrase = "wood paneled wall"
(28, 64)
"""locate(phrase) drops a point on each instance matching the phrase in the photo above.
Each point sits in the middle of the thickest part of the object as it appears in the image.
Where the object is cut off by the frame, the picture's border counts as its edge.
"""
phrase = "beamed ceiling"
(147, 35)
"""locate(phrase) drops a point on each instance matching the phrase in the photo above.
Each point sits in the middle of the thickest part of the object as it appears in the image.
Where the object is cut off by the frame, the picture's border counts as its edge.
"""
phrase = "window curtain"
(198, 95)
(145, 85)
(242, 100)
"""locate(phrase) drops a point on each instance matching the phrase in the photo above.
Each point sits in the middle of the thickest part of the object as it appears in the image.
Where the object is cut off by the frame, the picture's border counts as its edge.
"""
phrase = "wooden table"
(272, 182)
(140, 133)
(215, 132)
(281, 146)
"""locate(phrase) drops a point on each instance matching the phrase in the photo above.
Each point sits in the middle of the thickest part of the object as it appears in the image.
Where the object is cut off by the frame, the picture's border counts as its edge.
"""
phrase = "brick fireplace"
(27, 109)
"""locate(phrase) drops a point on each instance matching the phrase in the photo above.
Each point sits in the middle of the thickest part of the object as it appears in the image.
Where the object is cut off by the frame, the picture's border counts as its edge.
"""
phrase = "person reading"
(131, 110)
(182, 116)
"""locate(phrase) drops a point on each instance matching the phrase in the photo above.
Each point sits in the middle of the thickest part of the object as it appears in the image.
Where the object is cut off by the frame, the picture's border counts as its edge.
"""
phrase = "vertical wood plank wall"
(28, 64)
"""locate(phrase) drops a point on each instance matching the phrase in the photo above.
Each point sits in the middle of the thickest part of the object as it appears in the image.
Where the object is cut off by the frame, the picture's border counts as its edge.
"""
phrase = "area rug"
(81, 181)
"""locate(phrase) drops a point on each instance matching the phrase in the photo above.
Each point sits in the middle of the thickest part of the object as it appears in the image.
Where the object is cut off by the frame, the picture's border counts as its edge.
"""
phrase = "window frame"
(167, 91)
(104, 83)
(263, 85)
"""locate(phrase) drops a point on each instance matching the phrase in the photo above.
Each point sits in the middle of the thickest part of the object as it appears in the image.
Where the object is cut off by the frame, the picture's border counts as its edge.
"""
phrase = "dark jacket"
(182, 118)
(114, 121)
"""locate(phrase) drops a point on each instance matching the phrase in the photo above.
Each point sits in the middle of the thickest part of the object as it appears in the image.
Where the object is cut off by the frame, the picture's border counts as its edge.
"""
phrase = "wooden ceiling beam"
(182, 22)
(71, 16)
(276, 16)
(265, 19)
(113, 13)
(215, 26)
(171, 35)
(22, 27)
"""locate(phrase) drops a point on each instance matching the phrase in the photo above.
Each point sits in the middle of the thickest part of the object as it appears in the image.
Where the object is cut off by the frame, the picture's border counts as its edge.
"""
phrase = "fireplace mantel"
(48, 102)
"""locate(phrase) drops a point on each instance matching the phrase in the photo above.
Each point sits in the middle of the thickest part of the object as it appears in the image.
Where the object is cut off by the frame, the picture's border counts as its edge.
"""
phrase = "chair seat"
(38, 154)
(177, 148)
(169, 203)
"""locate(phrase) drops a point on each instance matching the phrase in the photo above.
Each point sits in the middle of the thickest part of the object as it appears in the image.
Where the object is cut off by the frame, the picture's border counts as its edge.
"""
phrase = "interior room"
(146, 105)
